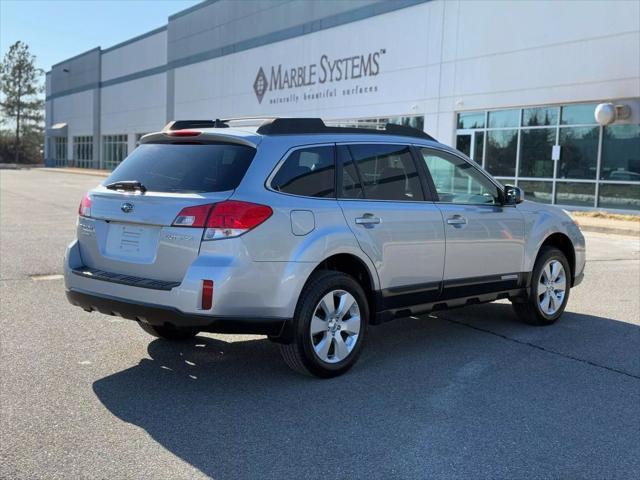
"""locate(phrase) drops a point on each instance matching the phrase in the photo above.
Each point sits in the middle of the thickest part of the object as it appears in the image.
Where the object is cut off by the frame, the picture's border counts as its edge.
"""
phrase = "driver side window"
(457, 181)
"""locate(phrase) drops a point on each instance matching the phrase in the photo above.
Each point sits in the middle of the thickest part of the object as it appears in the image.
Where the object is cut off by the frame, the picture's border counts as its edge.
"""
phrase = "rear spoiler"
(202, 137)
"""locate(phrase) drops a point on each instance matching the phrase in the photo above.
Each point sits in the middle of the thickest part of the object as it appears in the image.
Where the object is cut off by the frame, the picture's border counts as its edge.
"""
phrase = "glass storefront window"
(592, 158)
(504, 118)
(541, 192)
(114, 150)
(625, 197)
(579, 194)
(501, 152)
(582, 114)
(478, 148)
(463, 144)
(535, 117)
(621, 153)
(535, 152)
(471, 120)
(579, 154)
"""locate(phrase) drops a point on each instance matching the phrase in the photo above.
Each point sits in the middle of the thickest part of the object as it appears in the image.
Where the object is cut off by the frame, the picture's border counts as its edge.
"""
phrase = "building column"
(97, 138)
(171, 95)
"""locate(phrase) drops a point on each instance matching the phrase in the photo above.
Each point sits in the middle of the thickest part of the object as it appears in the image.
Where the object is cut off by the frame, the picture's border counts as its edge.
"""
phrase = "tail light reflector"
(207, 294)
(84, 210)
(226, 219)
(192, 216)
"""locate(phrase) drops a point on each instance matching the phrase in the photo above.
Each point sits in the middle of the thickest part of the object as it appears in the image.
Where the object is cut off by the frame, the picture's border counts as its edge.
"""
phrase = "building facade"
(505, 82)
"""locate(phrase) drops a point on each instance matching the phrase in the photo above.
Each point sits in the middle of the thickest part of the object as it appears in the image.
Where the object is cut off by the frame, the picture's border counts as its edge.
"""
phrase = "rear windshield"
(185, 168)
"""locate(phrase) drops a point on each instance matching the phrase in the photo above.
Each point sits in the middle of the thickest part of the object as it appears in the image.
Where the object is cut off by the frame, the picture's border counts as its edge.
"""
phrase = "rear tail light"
(193, 216)
(183, 133)
(233, 218)
(225, 219)
(207, 294)
(85, 206)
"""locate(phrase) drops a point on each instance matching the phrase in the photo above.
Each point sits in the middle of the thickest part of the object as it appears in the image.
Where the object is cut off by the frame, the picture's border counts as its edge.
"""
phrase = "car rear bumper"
(162, 315)
(241, 288)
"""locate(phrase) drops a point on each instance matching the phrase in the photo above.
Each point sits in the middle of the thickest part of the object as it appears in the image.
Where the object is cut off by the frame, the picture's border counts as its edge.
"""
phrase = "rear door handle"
(368, 219)
(457, 220)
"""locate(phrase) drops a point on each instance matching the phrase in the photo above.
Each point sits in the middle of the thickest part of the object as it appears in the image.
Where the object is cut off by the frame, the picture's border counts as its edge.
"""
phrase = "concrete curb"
(78, 171)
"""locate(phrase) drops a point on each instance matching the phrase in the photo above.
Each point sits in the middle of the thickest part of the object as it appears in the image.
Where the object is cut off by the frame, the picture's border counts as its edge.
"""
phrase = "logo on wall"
(260, 85)
(319, 77)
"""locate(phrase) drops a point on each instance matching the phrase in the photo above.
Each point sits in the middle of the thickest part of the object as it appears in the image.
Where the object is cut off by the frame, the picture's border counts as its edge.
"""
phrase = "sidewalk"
(79, 171)
(605, 223)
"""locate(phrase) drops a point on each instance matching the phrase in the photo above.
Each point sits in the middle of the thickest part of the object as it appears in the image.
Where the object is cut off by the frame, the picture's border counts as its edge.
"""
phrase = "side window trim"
(444, 153)
(428, 187)
(344, 154)
(416, 164)
(285, 157)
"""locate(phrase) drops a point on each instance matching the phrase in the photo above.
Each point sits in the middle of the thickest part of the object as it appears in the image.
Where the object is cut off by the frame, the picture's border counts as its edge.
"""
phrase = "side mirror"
(513, 195)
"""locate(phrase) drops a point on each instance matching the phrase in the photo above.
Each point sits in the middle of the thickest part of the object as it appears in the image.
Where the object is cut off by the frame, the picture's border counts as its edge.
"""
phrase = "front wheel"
(549, 290)
(167, 332)
(330, 325)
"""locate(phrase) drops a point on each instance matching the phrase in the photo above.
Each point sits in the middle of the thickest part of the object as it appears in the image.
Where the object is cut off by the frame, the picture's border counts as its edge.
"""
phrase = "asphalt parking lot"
(469, 393)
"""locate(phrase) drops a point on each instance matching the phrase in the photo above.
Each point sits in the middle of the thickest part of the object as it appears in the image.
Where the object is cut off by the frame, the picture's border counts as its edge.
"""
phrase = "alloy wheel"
(552, 287)
(335, 326)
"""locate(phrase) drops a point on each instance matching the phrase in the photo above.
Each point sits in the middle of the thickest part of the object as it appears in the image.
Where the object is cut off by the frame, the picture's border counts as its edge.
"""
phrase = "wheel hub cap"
(335, 326)
(552, 286)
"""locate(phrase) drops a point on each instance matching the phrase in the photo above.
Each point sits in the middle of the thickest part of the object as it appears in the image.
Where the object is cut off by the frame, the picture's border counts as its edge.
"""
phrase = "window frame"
(444, 153)
(285, 157)
(422, 178)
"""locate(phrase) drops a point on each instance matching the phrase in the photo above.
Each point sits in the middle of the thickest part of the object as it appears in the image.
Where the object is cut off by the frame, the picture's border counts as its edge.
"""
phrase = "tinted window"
(504, 118)
(579, 153)
(457, 181)
(502, 146)
(185, 168)
(387, 172)
(308, 172)
(621, 153)
(351, 184)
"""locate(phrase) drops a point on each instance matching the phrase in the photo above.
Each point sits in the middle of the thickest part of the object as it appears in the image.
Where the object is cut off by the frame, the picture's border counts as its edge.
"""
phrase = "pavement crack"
(539, 347)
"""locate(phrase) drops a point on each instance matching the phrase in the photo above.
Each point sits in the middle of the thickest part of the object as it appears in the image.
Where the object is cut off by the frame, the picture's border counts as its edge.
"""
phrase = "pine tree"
(20, 87)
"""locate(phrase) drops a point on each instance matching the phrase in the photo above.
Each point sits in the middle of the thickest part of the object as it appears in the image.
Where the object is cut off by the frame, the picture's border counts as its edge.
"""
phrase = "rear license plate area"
(131, 242)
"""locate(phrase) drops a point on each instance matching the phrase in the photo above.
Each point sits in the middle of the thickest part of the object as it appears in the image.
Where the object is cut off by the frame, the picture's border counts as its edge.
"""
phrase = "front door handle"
(457, 220)
(368, 219)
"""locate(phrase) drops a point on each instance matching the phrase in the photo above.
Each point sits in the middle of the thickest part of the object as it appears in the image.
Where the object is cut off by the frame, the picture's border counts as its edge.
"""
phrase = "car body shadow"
(464, 394)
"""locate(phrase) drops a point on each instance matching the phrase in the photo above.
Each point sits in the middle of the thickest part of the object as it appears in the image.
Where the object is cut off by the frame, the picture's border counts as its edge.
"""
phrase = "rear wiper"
(132, 185)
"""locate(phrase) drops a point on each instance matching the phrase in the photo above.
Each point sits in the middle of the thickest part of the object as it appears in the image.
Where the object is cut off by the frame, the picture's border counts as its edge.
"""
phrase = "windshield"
(185, 168)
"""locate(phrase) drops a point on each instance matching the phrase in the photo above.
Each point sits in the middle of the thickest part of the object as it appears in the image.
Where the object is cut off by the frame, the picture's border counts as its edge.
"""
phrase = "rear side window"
(185, 168)
(309, 172)
(385, 172)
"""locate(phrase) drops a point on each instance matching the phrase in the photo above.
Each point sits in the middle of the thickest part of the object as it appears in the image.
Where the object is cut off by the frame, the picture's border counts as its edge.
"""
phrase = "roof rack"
(292, 126)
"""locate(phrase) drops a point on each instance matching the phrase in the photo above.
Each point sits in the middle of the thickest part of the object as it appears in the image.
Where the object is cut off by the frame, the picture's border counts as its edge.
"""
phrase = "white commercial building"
(505, 82)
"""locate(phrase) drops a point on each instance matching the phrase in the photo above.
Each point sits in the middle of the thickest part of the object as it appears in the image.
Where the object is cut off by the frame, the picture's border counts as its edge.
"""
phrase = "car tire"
(548, 292)
(329, 326)
(167, 332)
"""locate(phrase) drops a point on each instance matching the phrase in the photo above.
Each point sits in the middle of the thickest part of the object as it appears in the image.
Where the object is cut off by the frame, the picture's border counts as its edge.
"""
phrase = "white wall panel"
(134, 57)
(133, 107)
(76, 111)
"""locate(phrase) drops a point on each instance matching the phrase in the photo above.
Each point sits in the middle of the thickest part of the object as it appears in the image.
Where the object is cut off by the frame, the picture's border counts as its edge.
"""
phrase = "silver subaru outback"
(309, 234)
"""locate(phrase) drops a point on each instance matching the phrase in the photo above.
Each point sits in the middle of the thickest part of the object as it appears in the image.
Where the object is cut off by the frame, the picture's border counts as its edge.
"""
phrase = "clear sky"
(59, 29)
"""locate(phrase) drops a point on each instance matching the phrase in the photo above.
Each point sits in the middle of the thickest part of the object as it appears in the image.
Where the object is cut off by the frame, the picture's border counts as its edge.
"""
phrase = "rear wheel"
(167, 332)
(330, 325)
(549, 290)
